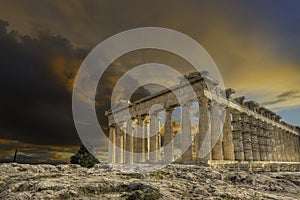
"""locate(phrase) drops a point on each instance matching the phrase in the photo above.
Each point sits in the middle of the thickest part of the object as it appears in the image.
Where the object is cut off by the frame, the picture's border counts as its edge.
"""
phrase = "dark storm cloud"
(35, 103)
(285, 96)
(36, 87)
(289, 94)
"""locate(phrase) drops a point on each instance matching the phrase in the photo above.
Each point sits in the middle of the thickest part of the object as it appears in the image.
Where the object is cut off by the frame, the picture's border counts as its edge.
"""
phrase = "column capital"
(203, 99)
(170, 109)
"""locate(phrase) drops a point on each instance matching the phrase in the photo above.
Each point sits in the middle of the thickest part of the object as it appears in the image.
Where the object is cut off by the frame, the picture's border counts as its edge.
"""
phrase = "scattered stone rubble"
(22, 181)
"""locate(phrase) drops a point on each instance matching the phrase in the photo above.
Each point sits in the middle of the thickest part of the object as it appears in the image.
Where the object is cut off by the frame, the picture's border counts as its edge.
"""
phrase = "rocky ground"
(19, 181)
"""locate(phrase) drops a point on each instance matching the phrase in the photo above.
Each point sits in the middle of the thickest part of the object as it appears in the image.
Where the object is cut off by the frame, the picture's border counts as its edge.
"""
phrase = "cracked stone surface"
(20, 181)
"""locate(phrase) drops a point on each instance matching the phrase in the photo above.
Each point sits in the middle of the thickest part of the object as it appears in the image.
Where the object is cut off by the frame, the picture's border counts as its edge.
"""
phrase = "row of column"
(256, 140)
(241, 138)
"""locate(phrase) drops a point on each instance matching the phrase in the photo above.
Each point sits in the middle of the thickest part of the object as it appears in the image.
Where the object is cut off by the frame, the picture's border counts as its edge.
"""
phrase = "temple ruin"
(251, 133)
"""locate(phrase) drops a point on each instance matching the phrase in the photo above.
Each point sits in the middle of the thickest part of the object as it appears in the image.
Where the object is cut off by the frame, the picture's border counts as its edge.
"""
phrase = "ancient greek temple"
(249, 132)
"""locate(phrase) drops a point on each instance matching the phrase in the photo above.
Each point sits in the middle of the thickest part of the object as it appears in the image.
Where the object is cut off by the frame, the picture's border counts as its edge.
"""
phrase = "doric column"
(261, 140)
(294, 147)
(112, 144)
(186, 133)
(283, 153)
(247, 138)
(154, 140)
(140, 150)
(297, 147)
(276, 149)
(254, 139)
(200, 142)
(145, 141)
(129, 142)
(135, 140)
(291, 147)
(267, 141)
(216, 137)
(237, 137)
(227, 137)
(168, 137)
(288, 148)
(119, 144)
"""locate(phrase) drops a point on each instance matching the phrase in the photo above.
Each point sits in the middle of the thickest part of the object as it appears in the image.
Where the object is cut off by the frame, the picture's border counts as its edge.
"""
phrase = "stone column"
(294, 147)
(129, 142)
(227, 137)
(261, 140)
(186, 133)
(291, 147)
(119, 144)
(267, 130)
(140, 140)
(287, 146)
(276, 150)
(254, 139)
(112, 144)
(216, 136)
(238, 137)
(247, 143)
(282, 145)
(135, 140)
(200, 142)
(145, 141)
(168, 137)
(154, 140)
(297, 147)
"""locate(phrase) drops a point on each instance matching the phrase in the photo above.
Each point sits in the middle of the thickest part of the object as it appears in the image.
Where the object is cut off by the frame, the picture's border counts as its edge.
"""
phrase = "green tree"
(84, 158)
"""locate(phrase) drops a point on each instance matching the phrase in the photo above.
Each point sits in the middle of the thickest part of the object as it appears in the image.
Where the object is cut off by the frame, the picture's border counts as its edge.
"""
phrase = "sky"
(255, 44)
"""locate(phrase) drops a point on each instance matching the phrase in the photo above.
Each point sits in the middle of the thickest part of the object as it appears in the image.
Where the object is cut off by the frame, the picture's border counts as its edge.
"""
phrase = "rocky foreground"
(18, 181)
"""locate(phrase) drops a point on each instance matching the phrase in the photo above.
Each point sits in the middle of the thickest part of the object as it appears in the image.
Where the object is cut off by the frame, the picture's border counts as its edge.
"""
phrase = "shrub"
(84, 158)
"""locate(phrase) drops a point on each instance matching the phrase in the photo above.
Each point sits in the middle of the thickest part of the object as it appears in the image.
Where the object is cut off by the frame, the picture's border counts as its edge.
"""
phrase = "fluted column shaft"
(203, 138)
(247, 138)
(254, 139)
(291, 147)
(154, 140)
(294, 148)
(168, 137)
(227, 137)
(140, 140)
(261, 140)
(297, 147)
(129, 142)
(216, 137)
(268, 135)
(112, 145)
(276, 150)
(186, 134)
(282, 145)
(238, 138)
(119, 144)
